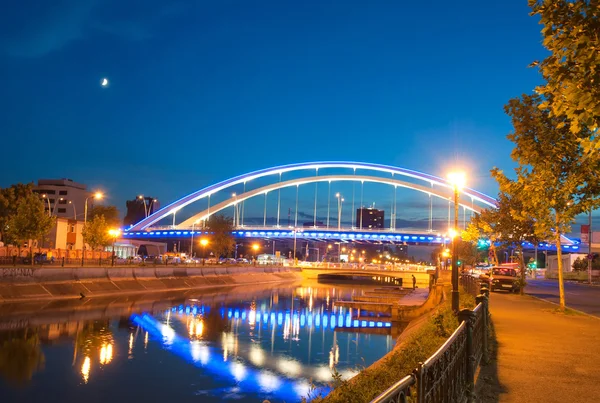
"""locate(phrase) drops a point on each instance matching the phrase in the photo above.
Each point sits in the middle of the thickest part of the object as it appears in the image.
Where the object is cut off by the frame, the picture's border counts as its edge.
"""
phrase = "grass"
(400, 362)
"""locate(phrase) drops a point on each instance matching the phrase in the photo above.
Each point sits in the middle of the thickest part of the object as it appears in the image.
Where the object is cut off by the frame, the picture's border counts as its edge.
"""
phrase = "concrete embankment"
(24, 283)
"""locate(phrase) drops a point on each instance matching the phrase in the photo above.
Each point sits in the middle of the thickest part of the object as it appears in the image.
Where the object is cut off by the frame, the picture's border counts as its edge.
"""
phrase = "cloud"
(57, 24)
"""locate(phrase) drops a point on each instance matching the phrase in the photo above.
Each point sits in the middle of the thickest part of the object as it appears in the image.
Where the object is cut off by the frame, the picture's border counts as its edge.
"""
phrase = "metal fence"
(449, 374)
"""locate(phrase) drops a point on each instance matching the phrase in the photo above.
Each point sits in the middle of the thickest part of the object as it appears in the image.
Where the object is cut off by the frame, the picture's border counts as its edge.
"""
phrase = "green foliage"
(110, 213)
(402, 361)
(20, 358)
(572, 70)
(558, 179)
(582, 264)
(95, 233)
(30, 221)
(221, 241)
(8, 204)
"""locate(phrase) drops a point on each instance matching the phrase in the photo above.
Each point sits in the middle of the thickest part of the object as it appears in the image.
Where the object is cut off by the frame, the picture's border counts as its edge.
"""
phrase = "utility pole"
(590, 257)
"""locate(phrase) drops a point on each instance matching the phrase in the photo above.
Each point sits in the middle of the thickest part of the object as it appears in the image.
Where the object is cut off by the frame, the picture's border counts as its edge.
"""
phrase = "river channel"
(244, 345)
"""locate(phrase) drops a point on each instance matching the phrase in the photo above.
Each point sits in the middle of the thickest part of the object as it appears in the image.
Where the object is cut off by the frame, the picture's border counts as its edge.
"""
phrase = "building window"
(51, 201)
(70, 246)
(62, 192)
(48, 192)
(62, 210)
(63, 201)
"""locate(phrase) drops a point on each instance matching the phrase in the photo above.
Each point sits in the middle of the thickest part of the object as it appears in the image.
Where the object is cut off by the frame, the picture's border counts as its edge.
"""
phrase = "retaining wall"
(22, 283)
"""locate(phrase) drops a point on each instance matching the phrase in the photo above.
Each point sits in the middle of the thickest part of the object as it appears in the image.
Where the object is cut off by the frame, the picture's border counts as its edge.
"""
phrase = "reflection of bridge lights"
(252, 317)
(146, 340)
(106, 353)
(238, 370)
(257, 356)
(168, 334)
(290, 367)
(130, 343)
(85, 369)
(268, 382)
(199, 352)
(323, 374)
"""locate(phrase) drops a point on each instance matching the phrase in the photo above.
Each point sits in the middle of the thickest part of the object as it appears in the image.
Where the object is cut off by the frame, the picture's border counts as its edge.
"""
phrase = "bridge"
(316, 194)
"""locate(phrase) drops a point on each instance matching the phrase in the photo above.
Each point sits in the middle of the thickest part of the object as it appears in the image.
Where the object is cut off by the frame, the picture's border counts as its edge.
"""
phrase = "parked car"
(39, 258)
(502, 278)
(241, 260)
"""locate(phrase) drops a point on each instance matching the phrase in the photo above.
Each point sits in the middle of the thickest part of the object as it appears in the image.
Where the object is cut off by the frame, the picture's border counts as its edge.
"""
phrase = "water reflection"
(20, 356)
(266, 345)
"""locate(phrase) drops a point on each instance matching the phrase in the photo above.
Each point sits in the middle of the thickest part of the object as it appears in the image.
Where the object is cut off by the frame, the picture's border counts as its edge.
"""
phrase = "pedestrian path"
(542, 356)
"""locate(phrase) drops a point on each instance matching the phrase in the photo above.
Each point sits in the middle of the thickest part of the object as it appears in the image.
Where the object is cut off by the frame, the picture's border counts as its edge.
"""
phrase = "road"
(582, 297)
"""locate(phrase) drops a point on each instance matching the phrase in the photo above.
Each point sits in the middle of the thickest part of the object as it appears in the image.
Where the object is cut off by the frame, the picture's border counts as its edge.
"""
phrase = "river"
(243, 345)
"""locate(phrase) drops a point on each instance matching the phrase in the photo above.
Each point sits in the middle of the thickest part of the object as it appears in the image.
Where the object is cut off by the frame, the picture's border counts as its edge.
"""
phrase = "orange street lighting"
(203, 242)
(114, 233)
(458, 180)
(255, 247)
(329, 246)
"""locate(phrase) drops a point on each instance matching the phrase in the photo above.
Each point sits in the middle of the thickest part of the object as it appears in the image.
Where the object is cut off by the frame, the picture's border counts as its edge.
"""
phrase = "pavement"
(583, 297)
(542, 355)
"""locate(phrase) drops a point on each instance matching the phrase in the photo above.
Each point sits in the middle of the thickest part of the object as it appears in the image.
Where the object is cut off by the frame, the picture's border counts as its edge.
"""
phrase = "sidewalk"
(542, 356)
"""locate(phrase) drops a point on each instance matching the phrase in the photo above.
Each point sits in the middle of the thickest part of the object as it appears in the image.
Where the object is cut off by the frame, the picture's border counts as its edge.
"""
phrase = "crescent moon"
(104, 82)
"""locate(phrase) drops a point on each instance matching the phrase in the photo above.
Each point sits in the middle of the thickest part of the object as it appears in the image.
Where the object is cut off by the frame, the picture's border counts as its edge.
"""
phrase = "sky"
(200, 91)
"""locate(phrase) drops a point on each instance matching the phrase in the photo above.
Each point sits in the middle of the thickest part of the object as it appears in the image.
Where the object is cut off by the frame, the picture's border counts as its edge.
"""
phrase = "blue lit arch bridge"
(322, 201)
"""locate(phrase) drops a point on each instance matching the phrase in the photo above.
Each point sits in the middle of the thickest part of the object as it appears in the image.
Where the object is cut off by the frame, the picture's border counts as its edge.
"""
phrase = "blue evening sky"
(204, 90)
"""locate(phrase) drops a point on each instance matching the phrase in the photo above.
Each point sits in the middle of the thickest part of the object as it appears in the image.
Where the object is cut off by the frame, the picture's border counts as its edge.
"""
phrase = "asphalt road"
(582, 297)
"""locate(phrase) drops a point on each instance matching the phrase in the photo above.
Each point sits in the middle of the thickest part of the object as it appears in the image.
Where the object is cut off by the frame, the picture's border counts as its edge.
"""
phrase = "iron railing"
(449, 374)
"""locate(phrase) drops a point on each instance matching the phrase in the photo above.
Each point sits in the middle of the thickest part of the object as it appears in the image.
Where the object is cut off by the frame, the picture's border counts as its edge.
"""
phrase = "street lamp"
(56, 204)
(203, 243)
(192, 240)
(143, 199)
(74, 211)
(45, 196)
(96, 196)
(457, 179)
(114, 233)
(340, 200)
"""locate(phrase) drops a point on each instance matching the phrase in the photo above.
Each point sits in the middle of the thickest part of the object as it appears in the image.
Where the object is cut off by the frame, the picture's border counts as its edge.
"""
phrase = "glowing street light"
(458, 180)
(114, 233)
(203, 243)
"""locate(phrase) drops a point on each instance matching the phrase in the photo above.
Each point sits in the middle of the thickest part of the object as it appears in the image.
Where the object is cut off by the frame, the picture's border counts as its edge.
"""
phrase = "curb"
(573, 309)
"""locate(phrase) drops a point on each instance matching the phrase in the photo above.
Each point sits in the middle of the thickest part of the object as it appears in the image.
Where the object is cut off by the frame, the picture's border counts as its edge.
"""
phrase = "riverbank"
(421, 338)
(24, 283)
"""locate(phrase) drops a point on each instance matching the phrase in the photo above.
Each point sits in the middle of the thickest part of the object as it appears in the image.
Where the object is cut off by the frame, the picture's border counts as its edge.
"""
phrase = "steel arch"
(203, 215)
(209, 190)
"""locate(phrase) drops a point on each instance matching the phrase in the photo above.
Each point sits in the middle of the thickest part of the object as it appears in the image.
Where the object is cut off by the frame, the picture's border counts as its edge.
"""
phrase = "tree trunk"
(494, 255)
(523, 270)
(561, 285)
(31, 251)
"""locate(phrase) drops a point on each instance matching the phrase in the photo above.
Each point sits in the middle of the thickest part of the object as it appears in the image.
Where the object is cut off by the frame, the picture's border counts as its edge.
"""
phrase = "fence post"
(482, 299)
(468, 316)
(62, 264)
(418, 372)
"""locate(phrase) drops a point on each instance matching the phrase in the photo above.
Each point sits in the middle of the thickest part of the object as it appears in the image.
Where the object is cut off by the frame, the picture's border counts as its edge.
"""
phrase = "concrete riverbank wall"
(23, 283)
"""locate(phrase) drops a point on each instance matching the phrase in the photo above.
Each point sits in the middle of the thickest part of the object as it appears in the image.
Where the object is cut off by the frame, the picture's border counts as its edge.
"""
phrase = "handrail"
(398, 392)
(448, 374)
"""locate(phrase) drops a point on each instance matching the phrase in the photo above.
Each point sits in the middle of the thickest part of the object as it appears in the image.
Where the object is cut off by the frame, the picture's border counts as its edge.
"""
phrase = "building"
(369, 218)
(66, 234)
(138, 209)
(64, 198)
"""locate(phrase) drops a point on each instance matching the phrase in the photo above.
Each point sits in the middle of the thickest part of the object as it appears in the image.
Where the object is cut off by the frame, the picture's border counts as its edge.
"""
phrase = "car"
(504, 278)
(242, 260)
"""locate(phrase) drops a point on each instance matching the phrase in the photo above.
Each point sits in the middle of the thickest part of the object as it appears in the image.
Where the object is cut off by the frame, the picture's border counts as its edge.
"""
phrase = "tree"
(572, 70)
(555, 176)
(30, 222)
(8, 204)
(220, 238)
(110, 213)
(95, 233)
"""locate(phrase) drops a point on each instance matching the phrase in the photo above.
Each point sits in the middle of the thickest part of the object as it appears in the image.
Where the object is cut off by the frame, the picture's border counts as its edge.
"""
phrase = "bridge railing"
(449, 374)
(363, 266)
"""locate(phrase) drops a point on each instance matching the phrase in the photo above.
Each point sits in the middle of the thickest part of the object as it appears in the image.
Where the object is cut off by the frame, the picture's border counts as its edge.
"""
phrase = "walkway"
(543, 356)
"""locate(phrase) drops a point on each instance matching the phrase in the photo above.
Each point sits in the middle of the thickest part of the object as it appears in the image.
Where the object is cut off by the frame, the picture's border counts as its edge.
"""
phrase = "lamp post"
(74, 211)
(340, 200)
(96, 196)
(255, 248)
(143, 199)
(457, 179)
(56, 204)
(203, 243)
(114, 233)
(45, 196)
(192, 240)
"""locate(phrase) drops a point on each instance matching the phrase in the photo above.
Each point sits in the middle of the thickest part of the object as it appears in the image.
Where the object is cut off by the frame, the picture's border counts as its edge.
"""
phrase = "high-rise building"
(63, 197)
(138, 209)
(369, 218)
